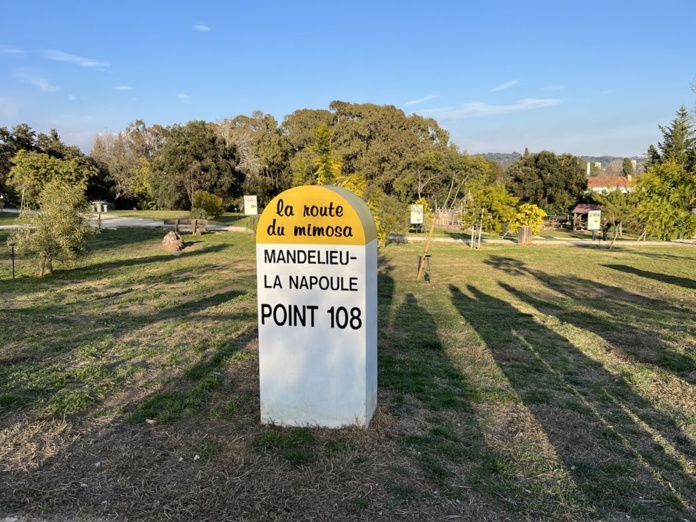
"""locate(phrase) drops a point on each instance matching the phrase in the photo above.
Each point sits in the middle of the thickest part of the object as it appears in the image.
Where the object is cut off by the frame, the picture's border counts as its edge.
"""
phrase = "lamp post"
(12, 245)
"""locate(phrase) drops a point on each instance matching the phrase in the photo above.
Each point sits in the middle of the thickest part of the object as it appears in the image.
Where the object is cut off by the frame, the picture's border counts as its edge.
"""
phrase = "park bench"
(198, 226)
(556, 221)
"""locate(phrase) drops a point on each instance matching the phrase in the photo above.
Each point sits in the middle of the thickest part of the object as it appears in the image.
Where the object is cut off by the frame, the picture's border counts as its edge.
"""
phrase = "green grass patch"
(166, 408)
(210, 450)
(296, 445)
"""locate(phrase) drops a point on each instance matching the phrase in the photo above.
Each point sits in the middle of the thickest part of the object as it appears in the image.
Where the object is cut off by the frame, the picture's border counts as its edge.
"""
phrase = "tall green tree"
(382, 142)
(21, 137)
(125, 158)
(301, 126)
(120, 162)
(627, 167)
(663, 198)
(32, 171)
(193, 157)
(263, 153)
(552, 182)
(678, 144)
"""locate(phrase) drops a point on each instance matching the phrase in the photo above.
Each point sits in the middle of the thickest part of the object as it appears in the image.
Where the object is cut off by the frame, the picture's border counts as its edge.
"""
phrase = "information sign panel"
(594, 220)
(250, 206)
(416, 214)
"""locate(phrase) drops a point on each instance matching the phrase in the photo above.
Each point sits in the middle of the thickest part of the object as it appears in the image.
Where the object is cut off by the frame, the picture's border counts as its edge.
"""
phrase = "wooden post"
(425, 252)
(524, 235)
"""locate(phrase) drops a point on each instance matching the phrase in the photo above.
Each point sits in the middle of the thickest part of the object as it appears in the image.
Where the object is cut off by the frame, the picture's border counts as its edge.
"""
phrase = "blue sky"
(586, 77)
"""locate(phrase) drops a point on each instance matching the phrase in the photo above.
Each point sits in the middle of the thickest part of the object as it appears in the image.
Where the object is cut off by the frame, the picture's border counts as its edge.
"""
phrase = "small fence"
(450, 218)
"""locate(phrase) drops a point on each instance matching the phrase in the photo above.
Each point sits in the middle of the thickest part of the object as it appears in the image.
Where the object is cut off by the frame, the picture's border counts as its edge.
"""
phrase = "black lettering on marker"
(333, 283)
(289, 315)
(307, 257)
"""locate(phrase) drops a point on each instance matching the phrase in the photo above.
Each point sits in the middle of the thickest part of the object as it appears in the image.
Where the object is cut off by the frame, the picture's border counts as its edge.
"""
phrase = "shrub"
(210, 203)
(198, 213)
(528, 215)
(58, 231)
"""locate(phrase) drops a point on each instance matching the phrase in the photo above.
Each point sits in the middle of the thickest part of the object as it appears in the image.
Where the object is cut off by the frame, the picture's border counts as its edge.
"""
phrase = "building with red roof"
(603, 184)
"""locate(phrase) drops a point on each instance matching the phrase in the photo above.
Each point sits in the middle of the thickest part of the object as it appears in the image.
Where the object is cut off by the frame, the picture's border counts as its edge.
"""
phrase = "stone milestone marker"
(316, 261)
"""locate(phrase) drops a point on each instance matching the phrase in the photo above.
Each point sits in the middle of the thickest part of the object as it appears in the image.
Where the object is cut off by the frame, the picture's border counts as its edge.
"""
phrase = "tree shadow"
(26, 285)
(664, 278)
(420, 386)
(629, 249)
(88, 271)
(25, 373)
(135, 465)
(125, 236)
(613, 443)
(626, 320)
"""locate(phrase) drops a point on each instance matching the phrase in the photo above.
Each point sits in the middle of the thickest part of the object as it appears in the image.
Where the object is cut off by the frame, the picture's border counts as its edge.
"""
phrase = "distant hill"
(508, 158)
(503, 158)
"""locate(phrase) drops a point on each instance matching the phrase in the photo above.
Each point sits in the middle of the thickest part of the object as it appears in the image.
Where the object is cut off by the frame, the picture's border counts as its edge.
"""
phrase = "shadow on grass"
(627, 321)
(664, 278)
(198, 388)
(418, 380)
(99, 268)
(459, 236)
(119, 240)
(52, 391)
(106, 270)
(589, 416)
(40, 378)
(138, 469)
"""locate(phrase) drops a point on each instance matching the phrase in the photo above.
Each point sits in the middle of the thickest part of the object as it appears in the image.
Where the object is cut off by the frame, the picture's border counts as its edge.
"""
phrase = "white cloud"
(201, 28)
(478, 110)
(124, 88)
(505, 85)
(37, 81)
(184, 97)
(553, 87)
(10, 50)
(420, 100)
(72, 97)
(59, 56)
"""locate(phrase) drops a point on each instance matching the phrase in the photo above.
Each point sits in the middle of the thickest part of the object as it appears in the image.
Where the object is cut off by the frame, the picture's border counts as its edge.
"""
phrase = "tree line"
(387, 157)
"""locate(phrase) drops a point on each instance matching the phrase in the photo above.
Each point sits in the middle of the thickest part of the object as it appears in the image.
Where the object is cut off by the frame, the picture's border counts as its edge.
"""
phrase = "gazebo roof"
(584, 208)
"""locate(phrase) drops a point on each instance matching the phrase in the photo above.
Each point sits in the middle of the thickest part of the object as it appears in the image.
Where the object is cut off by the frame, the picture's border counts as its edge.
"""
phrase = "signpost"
(594, 220)
(250, 205)
(416, 217)
(416, 214)
(316, 260)
(12, 246)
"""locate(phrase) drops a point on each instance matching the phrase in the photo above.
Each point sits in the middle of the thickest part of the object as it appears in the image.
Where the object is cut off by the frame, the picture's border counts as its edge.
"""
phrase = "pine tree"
(679, 142)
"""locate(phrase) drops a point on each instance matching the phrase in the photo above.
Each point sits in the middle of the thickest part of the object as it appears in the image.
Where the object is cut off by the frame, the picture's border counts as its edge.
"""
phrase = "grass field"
(520, 383)
(8, 218)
